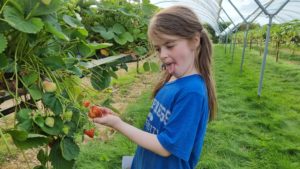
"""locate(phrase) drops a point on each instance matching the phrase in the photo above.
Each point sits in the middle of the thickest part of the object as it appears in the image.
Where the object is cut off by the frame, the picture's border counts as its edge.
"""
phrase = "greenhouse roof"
(214, 12)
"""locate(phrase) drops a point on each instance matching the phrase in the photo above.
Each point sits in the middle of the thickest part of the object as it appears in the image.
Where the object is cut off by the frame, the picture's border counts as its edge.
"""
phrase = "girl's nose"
(163, 53)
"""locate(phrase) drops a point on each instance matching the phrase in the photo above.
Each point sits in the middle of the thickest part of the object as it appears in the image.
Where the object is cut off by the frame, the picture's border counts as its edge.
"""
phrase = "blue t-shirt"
(178, 116)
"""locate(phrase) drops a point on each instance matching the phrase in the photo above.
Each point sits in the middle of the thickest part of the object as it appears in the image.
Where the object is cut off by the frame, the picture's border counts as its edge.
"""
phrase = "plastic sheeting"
(213, 12)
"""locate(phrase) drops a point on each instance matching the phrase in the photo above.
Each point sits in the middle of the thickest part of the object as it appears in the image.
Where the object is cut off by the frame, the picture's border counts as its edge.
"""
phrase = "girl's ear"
(196, 41)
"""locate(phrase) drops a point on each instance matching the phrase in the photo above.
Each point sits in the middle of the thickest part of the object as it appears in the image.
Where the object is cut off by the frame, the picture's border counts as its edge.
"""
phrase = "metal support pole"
(244, 48)
(231, 40)
(265, 57)
(267, 42)
(226, 42)
(232, 54)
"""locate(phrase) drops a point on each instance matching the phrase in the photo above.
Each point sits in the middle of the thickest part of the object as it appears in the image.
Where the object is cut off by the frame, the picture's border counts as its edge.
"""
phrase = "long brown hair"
(183, 22)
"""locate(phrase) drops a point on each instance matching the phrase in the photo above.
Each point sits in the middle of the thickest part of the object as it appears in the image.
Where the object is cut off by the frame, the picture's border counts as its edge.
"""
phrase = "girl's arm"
(144, 139)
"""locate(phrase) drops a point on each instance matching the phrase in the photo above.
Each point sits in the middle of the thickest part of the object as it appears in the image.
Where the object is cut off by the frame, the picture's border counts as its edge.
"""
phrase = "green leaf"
(42, 157)
(124, 66)
(33, 141)
(151, 66)
(54, 62)
(3, 43)
(39, 120)
(25, 125)
(112, 73)
(70, 149)
(53, 27)
(36, 7)
(154, 67)
(100, 79)
(140, 50)
(57, 160)
(73, 22)
(98, 29)
(107, 35)
(30, 78)
(83, 31)
(120, 40)
(84, 50)
(44, 9)
(146, 66)
(50, 100)
(23, 114)
(124, 38)
(4, 61)
(127, 36)
(118, 28)
(17, 20)
(35, 92)
(76, 115)
(20, 6)
(19, 135)
(95, 46)
(75, 70)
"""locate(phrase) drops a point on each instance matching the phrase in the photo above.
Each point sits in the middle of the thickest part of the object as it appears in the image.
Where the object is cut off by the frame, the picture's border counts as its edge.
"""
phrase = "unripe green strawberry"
(46, 2)
(68, 115)
(49, 121)
(66, 129)
(49, 86)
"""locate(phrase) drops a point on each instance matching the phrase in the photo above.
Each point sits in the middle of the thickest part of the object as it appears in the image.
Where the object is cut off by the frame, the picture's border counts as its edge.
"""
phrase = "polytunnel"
(262, 12)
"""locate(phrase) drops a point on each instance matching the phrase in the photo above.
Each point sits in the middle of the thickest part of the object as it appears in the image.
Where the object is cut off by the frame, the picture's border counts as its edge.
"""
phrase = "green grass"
(250, 131)
(253, 132)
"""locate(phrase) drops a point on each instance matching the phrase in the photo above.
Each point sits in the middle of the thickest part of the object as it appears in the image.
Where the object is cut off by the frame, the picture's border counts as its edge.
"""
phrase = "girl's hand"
(109, 119)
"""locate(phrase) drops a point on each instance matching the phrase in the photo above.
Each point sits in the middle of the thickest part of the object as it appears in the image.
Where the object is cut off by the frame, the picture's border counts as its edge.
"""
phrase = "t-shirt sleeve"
(178, 136)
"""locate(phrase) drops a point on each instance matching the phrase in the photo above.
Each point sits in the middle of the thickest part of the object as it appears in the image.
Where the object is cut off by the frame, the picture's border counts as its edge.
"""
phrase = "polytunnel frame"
(235, 26)
(246, 32)
(267, 40)
(211, 17)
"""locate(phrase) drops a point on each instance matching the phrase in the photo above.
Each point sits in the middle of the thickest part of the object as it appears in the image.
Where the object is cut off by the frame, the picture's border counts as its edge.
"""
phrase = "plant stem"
(34, 8)
(22, 151)
(5, 141)
(16, 76)
(3, 6)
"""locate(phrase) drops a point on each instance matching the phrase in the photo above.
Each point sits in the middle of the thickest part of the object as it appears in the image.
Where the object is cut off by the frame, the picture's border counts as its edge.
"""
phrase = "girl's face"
(177, 54)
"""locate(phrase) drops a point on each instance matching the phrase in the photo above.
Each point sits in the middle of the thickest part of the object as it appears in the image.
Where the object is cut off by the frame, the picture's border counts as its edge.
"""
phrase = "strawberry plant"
(45, 47)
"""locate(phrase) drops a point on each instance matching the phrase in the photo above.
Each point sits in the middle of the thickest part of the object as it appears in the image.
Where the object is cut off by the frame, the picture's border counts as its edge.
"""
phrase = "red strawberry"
(86, 103)
(90, 132)
(95, 111)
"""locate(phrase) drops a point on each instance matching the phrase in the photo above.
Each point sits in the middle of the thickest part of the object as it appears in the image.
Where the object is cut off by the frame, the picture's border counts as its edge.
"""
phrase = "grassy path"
(254, 132)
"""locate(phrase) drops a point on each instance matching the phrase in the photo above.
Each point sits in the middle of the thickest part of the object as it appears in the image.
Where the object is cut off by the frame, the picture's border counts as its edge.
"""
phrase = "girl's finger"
(99, 120)
(107, 110)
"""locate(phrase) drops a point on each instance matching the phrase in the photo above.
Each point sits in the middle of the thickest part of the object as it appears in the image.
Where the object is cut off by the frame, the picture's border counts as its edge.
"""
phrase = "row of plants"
(45, 46)
(286, 35)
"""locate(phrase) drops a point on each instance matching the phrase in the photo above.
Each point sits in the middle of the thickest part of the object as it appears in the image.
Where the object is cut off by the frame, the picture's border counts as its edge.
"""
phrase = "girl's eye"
(157, 50)
(170, 46)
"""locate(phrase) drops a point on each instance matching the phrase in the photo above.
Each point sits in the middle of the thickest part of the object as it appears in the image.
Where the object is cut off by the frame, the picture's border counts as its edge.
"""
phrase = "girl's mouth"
(170, 67)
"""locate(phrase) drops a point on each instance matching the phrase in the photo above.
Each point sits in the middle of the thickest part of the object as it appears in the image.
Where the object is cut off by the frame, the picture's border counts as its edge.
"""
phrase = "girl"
(184, 100)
